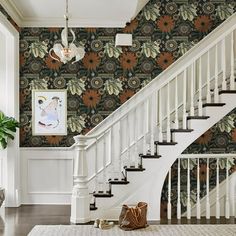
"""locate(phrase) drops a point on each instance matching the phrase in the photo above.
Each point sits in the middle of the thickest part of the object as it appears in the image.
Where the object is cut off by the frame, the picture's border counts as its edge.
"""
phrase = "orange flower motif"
(91, 60)
(203, 24)
(54, 139)
(91, 98)
(90, 30)
(127, 94)
(165, 59)
(22, 59)
(165, 24)
(202, 172)
(205, 138)
(233, 135)
(22, 135)
(53, 29)
(128, 60)
(22, 97)
(53, 64)
(131, 27)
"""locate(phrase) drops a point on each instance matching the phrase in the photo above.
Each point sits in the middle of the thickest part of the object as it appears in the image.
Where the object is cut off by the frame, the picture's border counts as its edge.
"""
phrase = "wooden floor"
(20, 221)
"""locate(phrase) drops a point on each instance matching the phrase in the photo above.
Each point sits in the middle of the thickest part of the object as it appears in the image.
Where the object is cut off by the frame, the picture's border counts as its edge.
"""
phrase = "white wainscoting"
(46, 175)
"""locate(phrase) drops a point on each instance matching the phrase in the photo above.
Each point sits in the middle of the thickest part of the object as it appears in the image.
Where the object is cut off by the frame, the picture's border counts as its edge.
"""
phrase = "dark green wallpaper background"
(108, 76)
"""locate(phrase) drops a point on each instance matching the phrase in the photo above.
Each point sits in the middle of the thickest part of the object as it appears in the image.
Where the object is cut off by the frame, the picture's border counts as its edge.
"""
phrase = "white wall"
(46, 175)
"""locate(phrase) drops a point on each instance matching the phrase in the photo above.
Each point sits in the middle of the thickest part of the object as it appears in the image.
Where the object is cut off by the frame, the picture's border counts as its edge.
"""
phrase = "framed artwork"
(49, 112)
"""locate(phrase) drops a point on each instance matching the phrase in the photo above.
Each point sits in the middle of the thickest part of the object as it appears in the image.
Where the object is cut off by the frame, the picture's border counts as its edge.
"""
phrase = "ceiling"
(83, 13)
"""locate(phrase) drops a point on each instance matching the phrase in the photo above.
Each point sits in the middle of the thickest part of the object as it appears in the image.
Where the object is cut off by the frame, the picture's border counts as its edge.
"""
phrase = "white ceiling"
(83, 13)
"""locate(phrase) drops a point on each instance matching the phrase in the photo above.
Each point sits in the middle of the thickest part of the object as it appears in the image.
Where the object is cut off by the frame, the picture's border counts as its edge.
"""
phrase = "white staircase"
(126, 158)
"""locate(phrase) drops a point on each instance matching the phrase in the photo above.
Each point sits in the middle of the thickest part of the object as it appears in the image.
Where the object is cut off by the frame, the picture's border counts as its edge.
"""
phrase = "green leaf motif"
(188, 11)
(38, 49)
(185, 46)
(76, 86)
(76, 123)
(112, 51)
(151, 12)
(151, 49)
(113, 86)
(226, 124)
(146, 81)
(224, 11)
(8, 127)
(39, 84)
(223, 163)
(192, 163)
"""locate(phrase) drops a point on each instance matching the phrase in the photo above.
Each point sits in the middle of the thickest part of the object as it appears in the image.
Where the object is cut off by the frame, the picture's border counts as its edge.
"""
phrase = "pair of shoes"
(103, 224)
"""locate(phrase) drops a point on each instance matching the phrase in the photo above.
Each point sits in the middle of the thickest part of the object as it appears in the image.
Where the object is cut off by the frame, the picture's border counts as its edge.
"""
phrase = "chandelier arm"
(50, 53)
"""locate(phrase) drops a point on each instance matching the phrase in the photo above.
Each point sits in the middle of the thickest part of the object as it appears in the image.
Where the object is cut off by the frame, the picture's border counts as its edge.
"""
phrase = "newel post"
(80, 200)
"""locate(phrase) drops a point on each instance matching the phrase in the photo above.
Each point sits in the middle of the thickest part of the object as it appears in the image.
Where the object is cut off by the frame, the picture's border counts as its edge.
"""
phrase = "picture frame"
(49, 112)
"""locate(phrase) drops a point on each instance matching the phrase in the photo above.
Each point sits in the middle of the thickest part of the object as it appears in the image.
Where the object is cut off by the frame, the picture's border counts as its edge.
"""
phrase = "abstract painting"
(49, 116)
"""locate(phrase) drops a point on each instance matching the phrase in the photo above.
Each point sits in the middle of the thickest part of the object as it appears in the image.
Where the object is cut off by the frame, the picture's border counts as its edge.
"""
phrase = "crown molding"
(13, 12)
(76, 23)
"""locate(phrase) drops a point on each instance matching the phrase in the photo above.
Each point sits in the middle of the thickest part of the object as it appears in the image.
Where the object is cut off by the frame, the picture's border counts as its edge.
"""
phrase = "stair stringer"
(147, 186)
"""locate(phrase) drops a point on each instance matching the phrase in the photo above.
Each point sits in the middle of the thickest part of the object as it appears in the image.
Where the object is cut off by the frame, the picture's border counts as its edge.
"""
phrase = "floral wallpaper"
(107, 76)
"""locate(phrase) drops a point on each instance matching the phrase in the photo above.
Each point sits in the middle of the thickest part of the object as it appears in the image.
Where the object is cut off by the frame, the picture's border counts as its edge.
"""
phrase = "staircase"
(125, 159)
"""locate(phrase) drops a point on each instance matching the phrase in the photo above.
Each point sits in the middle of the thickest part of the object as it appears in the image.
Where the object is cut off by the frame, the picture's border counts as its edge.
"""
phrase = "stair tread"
(118, 182)
(102, 194)
(165, 143)
(227, 91)
(213, 104)
(150, 156)
(181, 130)
(197, 117)
(134, 169)
(92, 207)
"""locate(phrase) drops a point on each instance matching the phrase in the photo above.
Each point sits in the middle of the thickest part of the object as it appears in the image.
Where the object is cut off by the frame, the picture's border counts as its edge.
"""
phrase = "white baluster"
(178, 197)
(120, 146)
(96, 164)
(151, 127)
(169, 196)
(128, 139)
(144, 115)
(223, 65)
(208, 209)
(184, 100)
(200, 88)
(227, 209)
(168, 135)
(208, 92)
(176, 104)
(232, 83)
(198, 192)
(192, 89)
(104, 161)
(188, 193)
(216, 90)
(160, 117)
(217, 190)
(137, 124)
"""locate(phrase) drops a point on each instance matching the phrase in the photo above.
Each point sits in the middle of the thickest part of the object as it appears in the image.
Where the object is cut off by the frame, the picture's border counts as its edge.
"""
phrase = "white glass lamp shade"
(123, 40)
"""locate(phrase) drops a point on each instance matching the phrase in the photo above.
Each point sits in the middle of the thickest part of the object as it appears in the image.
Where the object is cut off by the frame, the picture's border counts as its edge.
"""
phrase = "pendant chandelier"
(66, 51)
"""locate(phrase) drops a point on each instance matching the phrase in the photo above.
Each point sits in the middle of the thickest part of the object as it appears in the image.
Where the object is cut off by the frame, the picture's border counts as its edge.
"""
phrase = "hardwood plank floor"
(20, 221)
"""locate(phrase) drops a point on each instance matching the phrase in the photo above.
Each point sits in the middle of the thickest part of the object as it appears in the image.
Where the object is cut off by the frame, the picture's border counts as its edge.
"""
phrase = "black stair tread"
(165, 143)
(102, 194)
(227, 91)
(93, 207)
(150, 156)
(181, 130)
(134, 168)
(213, 105)
(118, 182)
(197, 117)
